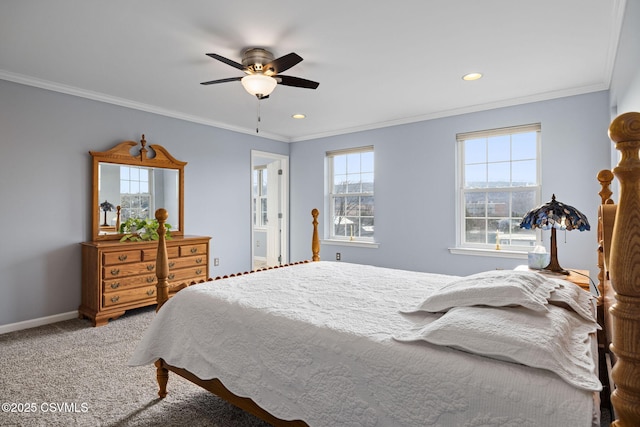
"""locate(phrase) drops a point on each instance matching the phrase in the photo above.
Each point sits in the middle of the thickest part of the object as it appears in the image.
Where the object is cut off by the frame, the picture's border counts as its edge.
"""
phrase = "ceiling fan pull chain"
(258, 121)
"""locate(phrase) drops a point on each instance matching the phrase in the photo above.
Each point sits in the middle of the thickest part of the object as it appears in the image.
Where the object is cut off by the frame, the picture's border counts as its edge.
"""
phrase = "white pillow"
(496, 288)
(571, 296)
(556, 340)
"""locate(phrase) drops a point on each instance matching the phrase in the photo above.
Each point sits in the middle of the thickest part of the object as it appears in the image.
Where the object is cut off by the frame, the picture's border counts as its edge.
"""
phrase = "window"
(351, 179)
(135, 192)
(499, 182)
(260, 196)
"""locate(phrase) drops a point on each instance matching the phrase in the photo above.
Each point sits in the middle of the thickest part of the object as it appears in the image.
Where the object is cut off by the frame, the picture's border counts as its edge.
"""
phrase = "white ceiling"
(378, 63)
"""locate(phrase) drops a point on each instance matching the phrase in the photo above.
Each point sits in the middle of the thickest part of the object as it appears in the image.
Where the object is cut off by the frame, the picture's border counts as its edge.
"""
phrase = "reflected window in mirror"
(139, 191)
(135, 193)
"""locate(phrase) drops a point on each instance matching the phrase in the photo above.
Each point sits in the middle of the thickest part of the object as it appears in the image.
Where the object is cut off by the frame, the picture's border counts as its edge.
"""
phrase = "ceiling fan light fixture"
(259, 84)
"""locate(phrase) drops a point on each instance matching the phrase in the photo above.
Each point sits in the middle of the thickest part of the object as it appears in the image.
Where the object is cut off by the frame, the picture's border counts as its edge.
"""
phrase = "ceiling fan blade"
(296, 82)
(283, 63)
(226, 61)
(230, 79)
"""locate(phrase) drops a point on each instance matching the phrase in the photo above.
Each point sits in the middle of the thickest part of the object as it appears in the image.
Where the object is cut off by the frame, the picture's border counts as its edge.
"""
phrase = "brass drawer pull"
(172, 264)
(115, 299)
(115, 285)
(150, 267)
(171, 276)
(198, 260)
(199, 271)
(122, 257)
(115, 271)
(150, 279)
(150, 292)
(194, 250)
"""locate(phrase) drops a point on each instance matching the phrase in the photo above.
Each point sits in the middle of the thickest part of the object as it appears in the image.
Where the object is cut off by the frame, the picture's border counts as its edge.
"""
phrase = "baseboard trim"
(33, 323)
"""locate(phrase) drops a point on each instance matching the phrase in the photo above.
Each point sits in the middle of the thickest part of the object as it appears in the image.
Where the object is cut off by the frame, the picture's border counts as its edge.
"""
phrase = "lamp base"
(554, 266)
(558, 270)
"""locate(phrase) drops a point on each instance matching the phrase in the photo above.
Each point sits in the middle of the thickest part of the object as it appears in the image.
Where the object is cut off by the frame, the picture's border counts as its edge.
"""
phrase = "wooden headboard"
(619, 278)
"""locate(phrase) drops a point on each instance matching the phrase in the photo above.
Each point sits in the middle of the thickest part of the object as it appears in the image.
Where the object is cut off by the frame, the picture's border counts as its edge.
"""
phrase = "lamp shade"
(106, 206)
(258, 84)
(555, 215)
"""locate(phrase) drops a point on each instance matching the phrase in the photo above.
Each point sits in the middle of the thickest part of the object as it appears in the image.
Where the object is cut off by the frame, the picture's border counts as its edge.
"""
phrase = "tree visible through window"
(351, 195)
(135, 192)
(499, 184)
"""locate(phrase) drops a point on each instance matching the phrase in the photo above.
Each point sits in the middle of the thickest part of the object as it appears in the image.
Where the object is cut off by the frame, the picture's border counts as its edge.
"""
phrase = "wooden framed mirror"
(131, 180)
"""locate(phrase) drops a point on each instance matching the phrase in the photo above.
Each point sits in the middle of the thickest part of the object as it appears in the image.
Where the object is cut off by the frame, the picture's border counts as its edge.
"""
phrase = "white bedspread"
(314, 342)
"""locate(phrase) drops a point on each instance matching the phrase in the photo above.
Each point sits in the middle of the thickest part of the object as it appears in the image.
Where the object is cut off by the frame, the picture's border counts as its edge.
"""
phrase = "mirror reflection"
(126, 191)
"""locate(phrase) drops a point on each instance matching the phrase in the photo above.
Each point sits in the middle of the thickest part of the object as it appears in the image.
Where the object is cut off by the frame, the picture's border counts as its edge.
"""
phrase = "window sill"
(352, 243)
(489, 253)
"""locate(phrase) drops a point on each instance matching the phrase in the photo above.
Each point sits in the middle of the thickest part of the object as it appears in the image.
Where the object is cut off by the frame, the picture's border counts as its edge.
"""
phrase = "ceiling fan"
(263, 72)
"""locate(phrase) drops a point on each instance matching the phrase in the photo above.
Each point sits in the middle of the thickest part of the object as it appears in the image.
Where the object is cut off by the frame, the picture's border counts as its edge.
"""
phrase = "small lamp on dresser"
(555, 215)
(106, 207)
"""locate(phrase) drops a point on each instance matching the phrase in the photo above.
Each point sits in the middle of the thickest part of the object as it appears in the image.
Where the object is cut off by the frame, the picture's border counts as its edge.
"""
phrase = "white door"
(274, 173)
(270, 235)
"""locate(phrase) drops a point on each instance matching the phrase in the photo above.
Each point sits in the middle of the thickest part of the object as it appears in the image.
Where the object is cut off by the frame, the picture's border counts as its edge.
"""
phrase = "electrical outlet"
(216, 262)
(337, 256)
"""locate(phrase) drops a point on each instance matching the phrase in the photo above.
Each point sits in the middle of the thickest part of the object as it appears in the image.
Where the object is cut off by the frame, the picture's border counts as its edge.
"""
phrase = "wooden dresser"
(120, 276)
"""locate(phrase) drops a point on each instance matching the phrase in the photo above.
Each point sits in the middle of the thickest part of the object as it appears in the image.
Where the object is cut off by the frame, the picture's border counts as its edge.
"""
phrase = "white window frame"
(351, 238)
(492, 248)
(259, 214)
(127, 210)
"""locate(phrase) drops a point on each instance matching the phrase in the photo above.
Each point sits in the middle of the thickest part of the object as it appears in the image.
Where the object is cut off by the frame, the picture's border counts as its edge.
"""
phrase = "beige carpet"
(71, 374)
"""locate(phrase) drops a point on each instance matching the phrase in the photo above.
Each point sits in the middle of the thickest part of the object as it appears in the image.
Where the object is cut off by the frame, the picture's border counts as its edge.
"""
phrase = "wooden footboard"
(214, 386)
(622, 263)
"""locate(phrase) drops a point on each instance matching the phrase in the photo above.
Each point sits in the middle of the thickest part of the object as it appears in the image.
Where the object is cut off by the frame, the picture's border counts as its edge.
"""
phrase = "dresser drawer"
(187, 275)
(115, 258)
(132, 295)
(151, 254)
(117, 271)
(124, 283)
(188, 250)
(189, 261)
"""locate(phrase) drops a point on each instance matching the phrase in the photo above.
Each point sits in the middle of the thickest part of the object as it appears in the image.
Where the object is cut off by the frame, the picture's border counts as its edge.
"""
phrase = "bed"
(407, 348)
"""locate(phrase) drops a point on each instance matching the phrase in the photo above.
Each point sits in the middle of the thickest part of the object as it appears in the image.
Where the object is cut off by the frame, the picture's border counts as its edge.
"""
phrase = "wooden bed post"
(162, 376)
(162, 260)
(315, 241)
(605, 177)
(625, 273)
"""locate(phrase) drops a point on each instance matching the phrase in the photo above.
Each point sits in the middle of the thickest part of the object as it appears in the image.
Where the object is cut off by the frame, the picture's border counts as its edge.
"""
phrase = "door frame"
(257, 159)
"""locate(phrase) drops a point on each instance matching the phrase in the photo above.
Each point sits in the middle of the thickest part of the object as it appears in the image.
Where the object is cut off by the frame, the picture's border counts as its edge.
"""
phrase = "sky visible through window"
(499, 161)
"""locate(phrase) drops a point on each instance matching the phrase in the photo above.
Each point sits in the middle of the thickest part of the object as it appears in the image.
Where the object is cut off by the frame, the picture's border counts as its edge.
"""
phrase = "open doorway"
(270, 209)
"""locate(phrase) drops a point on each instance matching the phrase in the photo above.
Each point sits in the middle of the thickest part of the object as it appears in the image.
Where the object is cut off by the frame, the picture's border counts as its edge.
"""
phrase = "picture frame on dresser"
(119, 274)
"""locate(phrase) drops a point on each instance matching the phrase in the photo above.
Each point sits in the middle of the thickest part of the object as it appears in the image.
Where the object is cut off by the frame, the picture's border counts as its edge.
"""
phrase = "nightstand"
(579, 277)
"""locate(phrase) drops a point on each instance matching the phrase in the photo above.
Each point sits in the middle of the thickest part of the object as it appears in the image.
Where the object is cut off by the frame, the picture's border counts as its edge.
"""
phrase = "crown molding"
(127, 103)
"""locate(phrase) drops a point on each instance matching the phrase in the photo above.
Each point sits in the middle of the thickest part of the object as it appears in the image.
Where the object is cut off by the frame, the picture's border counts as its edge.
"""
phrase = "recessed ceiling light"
(472, 76)
(299, 116)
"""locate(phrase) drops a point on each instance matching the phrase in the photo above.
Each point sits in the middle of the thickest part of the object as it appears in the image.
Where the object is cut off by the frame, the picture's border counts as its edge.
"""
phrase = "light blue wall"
(45, 191)
(625, 85)
(45, 184)
(415, 184)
